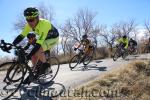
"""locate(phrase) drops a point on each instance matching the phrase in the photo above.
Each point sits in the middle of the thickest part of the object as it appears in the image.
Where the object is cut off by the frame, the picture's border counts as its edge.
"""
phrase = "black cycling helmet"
(31, 35)
(124, 37)
(31, 12)
(84, 36)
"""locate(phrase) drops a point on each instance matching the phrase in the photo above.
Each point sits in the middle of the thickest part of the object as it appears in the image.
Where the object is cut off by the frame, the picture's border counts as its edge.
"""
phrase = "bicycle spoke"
(74, 62)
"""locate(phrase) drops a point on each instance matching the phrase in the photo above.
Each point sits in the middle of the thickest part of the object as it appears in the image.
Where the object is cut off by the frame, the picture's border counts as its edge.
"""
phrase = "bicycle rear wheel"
(11, 77)
(74, 62)
(51, 71)
(88, 58)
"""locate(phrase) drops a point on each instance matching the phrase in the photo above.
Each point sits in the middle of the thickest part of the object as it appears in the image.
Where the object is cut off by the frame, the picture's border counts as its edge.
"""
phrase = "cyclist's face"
(32, 22)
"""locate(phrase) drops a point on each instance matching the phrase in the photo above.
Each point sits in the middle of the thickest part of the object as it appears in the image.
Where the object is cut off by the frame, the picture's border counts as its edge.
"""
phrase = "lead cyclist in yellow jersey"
(47, 35)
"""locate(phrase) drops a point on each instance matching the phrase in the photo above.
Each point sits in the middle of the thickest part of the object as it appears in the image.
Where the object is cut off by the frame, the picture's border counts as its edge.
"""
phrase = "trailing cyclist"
(132, 45)
(47, 35)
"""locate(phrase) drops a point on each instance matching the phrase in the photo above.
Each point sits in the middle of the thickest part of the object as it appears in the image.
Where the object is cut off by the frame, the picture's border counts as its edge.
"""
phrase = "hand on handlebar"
(5, 46)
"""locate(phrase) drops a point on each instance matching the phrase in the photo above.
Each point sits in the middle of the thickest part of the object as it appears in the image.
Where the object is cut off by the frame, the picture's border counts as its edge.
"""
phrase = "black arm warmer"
(18, 39)
(35, 49)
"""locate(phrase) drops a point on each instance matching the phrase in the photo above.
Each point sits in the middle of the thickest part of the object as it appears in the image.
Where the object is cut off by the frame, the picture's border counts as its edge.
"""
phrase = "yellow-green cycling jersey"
(41, 30)
(124, 41)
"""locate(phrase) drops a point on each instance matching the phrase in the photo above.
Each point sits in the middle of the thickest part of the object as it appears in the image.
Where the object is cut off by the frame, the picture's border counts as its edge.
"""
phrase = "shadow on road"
(41, 92)
(98, 61)
(95, 67)
(136, 57)
(90, 67)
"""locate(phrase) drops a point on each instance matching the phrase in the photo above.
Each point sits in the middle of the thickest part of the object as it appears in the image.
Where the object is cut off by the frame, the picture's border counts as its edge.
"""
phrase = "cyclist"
(31, 41)
(132, 44)
(47, 35)
(124, 41)
(86, 43)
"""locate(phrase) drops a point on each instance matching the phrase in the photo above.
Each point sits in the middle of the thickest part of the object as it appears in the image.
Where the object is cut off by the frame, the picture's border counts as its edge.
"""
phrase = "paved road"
(77, 76)
(67, 79)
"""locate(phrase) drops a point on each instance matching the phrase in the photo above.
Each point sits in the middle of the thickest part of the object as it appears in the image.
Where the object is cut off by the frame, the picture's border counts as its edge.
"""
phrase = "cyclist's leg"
(87, 50)
(39, 55)
(33, 60)
(91, 50)
(48, 44)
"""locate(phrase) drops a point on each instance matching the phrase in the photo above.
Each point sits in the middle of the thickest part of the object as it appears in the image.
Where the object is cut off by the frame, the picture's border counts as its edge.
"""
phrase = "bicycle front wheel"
(11, 77)
(74, 62)
(115, 56)
(125, 54)
(51, 71)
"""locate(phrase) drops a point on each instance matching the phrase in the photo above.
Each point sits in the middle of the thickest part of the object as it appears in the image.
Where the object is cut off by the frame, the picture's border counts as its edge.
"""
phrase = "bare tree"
(46, 12)
(20, 23)
(64, 44)
(108, 36)
(82, 23)
(124, 28)
(147, 27)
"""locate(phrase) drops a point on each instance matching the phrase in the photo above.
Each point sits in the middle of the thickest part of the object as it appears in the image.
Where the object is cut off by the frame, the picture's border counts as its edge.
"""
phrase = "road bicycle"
(132, 50)
(13, 73)
(120, 52)
(80, 57)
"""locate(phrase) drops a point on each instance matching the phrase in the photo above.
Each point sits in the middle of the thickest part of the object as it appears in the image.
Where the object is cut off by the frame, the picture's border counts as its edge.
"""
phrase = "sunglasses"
(30, 20)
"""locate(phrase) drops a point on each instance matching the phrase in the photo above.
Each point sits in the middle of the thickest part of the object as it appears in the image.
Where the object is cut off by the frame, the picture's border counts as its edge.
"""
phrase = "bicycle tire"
(72, 61)
(8, 72)
(54, 63)
(89, 58)
(18, 69)
(115, 56)
(124, 55)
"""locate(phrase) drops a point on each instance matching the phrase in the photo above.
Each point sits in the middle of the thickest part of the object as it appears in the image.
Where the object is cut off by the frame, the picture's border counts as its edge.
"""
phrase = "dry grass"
(130, 83)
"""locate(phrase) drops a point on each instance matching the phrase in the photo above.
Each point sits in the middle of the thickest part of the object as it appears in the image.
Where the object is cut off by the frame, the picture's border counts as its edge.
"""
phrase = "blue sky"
(108, 11)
